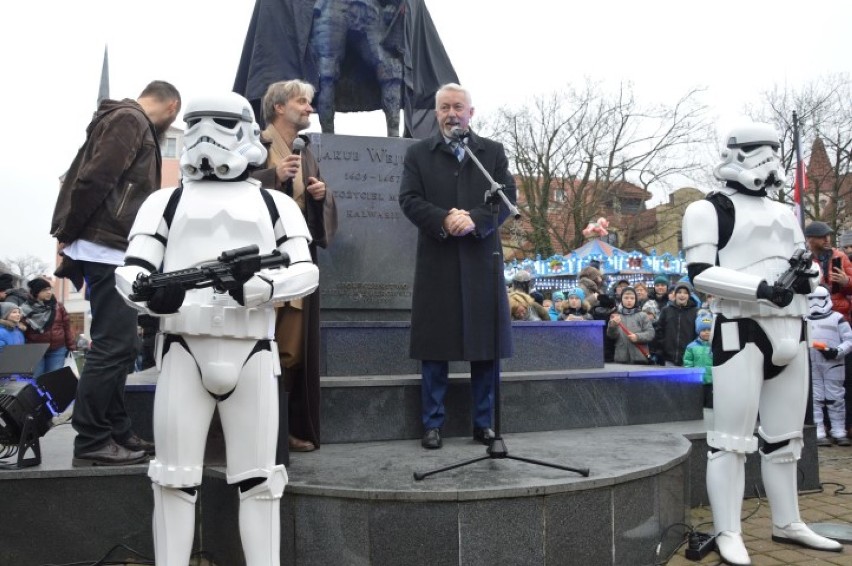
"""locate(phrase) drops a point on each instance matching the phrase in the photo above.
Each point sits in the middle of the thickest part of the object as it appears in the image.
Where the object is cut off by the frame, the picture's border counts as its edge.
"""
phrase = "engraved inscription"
(370, 262)
(369, 292)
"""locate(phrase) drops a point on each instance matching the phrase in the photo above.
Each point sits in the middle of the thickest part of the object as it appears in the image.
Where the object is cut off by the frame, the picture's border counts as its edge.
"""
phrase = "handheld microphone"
(298, 146)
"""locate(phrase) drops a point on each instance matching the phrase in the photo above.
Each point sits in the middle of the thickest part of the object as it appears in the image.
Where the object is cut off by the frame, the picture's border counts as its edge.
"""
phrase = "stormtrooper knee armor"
(216, 349)
(737, 244)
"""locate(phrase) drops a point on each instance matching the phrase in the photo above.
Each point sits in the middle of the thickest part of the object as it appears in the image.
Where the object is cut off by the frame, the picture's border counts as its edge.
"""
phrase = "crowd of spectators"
(32, 315)
(647, 322)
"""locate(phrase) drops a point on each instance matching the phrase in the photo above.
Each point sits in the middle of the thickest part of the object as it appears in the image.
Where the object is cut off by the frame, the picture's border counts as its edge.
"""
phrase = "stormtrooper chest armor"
(214, 216)
(764, 237)
(827, 329)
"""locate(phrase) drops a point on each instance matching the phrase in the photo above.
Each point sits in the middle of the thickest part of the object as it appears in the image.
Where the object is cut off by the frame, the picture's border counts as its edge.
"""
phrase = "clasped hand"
(458, 223)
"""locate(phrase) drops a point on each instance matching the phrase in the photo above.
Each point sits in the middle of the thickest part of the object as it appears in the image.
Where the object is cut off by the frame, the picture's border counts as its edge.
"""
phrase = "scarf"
(39, 314)
(278, 152)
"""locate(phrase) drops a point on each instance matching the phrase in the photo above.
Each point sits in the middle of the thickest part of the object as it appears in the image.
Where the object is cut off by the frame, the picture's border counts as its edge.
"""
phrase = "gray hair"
(281, 93)
(453, 87)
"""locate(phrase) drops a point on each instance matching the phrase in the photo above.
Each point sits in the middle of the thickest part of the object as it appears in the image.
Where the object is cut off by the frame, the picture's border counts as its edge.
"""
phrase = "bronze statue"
(359, 54)
(371, 30)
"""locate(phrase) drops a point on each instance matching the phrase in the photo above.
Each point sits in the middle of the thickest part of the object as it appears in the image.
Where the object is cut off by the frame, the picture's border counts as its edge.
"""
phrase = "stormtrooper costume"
(737, 243)
(215, 349)
(828, 369)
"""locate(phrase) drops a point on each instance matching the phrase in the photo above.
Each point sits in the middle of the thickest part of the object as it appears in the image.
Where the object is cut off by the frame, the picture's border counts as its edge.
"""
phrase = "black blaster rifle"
(231, 270)
(801, 265)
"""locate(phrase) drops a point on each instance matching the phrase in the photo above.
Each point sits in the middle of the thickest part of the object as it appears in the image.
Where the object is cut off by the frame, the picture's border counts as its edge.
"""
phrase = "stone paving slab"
(384, 470)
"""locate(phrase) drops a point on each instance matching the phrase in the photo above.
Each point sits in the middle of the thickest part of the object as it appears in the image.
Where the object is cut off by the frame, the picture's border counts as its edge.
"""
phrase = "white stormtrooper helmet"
(222, 138)
(751, 158)
(819, 302)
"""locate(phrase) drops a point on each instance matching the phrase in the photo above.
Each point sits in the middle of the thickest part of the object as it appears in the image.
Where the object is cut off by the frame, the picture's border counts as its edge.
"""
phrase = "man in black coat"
(454, 312)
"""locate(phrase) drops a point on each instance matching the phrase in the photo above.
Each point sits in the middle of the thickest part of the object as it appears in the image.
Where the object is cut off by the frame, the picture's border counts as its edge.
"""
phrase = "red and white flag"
(800, 183)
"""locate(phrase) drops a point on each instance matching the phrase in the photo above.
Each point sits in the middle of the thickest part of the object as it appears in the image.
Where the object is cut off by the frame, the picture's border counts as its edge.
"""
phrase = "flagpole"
(799, 187)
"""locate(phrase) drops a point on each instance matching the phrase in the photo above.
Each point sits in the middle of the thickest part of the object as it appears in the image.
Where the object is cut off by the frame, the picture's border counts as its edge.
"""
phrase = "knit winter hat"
(7, 308)
(558, 296)
(704, 321)
(684, 285)
(661, 280)
(628, 290)
(6, 281)
(38, 285)
(577, 292)
(651, 307)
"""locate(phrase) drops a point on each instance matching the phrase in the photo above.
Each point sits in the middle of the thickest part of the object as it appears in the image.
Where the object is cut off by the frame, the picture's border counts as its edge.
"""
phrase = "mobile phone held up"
(836, 263)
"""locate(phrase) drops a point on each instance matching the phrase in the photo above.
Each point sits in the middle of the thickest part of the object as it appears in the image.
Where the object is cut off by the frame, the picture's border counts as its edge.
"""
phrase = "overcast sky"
(503, 51)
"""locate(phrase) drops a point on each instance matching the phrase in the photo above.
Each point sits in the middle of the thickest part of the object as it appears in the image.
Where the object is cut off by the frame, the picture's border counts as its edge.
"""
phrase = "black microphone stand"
(497, 449)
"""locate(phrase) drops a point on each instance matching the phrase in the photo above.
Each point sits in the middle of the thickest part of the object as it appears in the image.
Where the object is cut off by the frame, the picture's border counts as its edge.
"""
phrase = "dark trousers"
(99, 411)
(435, 378)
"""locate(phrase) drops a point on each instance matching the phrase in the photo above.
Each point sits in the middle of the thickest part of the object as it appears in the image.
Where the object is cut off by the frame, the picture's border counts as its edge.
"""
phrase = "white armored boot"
(174, 525)
(725, 487)
(780, 483)
(260, 520)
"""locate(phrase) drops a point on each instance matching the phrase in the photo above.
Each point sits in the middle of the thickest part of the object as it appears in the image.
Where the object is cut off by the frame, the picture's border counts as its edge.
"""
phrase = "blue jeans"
(52, 361)
(435, 378)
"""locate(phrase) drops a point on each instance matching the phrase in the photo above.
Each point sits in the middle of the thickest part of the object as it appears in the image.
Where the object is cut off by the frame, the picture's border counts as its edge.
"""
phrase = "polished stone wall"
(381, 348)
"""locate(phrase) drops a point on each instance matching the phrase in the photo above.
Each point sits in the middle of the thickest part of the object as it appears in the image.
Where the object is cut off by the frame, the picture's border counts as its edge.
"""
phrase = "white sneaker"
(801, 534)
(732, 548)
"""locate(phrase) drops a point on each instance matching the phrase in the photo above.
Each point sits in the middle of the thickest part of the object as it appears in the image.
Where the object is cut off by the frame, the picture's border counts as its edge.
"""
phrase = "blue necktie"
(458, 151)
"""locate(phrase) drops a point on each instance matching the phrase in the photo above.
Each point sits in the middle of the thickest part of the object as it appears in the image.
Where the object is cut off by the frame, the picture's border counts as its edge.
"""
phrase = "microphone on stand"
(457, 134)
(298, 146)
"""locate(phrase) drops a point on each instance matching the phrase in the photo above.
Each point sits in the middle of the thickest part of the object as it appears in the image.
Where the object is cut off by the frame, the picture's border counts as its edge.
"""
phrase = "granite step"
(368, 408)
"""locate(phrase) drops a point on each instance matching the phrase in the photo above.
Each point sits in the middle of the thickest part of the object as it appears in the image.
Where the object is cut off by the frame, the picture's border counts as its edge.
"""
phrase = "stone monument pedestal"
(367, 272)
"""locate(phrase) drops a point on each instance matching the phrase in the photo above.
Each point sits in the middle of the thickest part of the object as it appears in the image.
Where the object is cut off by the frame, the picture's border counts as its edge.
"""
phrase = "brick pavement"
(835, 466)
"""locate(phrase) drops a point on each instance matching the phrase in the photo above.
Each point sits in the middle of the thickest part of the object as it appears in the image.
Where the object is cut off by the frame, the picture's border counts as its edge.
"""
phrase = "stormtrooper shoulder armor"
(292, 220)
(700, 232)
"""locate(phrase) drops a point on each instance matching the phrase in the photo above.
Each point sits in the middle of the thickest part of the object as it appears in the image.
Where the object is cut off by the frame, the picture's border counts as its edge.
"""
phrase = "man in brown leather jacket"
(286, 111)
(113, 173)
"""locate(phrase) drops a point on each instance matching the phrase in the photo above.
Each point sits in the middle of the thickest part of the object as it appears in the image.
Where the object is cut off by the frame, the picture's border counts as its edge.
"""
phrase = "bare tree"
(26, 267)
(824, 109)
(576, 153)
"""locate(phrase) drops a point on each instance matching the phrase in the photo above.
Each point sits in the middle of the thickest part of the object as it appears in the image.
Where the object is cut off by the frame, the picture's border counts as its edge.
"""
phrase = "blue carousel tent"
(559, 271)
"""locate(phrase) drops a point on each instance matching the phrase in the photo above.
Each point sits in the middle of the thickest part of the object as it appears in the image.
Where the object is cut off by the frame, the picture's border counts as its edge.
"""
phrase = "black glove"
(167, 300)
(830, 353)
(245, 270)
(775, 294)
(242, 272)
(238, 295)
(802, 284)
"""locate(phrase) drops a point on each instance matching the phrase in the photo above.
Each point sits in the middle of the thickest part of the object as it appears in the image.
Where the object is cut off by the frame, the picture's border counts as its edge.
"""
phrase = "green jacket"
(699, 355)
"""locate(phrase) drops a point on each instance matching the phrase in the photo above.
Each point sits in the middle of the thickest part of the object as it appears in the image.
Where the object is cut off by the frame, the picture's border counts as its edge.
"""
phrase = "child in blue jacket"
(10, 325)
(699, 355)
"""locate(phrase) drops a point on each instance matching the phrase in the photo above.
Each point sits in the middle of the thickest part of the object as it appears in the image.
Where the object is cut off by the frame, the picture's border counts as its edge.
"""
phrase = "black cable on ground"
(104, 560)
(140, 558)
(683, 540)
(694, 529)
(841, 488)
